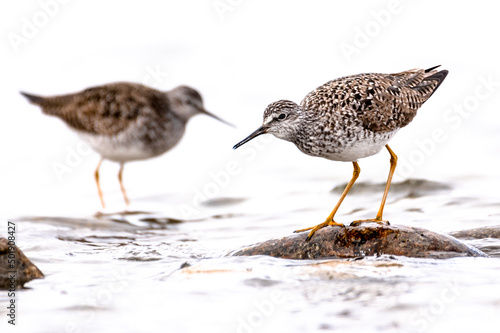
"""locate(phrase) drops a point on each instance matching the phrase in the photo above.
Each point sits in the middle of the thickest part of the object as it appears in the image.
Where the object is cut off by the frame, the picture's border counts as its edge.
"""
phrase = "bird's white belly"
(115, 149)
(360, 148)
(124, 154)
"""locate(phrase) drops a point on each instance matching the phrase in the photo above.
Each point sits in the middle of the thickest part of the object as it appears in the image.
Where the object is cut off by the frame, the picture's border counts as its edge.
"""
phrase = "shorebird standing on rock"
(351, 118)
(125, 121)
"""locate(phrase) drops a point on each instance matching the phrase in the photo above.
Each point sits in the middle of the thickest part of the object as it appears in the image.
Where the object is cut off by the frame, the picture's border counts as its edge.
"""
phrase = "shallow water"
(116, 272)
(148, 271)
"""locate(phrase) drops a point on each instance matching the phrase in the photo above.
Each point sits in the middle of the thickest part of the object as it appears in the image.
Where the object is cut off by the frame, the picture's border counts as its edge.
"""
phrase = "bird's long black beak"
(216, 117)
(259, 131)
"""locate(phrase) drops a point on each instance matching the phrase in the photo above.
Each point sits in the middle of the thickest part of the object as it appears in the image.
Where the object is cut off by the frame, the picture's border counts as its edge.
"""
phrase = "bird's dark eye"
(282, 116)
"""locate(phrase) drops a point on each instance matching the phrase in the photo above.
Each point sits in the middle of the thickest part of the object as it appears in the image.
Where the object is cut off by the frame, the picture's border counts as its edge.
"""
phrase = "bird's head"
(281, 118)
(187, 102)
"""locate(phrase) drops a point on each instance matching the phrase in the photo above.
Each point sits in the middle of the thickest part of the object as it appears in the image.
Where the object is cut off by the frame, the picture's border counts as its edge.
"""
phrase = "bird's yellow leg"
(378, 218)
(329, 219)
(96, 176)
(127, 202)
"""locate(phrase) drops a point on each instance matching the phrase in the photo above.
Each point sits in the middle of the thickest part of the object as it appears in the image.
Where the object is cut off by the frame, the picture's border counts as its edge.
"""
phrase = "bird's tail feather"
(436, 77)
(49, 105)
(38, 100)
(428, 70)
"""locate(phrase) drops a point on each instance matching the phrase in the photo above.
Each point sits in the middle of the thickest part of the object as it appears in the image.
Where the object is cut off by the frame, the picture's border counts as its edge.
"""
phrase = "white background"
(241, 55)
(241, 58)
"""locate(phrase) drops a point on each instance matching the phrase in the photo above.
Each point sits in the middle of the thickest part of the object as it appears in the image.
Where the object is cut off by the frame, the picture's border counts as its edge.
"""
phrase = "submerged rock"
(367, 239)
(411, 188)
(15, 268)
(483, 232)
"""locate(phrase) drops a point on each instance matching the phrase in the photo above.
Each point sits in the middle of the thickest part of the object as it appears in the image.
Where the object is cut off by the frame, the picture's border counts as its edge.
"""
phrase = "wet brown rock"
(366, 239)
(24, 270)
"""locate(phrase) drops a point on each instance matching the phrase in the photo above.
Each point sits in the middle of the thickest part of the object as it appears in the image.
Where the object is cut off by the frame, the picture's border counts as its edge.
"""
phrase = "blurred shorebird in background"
(125, 121)
(351, 118)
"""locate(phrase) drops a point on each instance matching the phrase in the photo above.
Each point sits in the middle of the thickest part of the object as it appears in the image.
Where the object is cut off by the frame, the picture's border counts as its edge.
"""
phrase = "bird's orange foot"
(319, 226)
(379, 221)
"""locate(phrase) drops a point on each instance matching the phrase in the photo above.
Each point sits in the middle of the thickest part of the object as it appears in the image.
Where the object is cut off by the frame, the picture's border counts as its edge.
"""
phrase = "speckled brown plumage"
(125, 121)
(381, 102)
(107, 109)
(351, 118)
